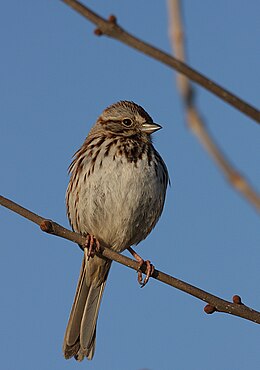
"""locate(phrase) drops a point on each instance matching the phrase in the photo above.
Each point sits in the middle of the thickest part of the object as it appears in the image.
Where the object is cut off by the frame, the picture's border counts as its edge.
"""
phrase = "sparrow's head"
(126, 118)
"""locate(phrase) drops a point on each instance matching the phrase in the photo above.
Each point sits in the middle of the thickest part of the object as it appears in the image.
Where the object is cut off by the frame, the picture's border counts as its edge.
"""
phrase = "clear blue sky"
(56, 78)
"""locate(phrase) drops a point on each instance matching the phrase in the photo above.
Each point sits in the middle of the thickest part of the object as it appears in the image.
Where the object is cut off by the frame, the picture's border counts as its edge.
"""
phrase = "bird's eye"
(127, 122)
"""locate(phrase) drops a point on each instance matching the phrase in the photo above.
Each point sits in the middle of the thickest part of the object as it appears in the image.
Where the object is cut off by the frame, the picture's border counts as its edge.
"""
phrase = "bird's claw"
(92, 245)
(149, 272)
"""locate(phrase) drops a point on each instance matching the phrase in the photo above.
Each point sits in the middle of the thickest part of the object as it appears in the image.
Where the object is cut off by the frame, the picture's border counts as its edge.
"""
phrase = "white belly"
(119, 203)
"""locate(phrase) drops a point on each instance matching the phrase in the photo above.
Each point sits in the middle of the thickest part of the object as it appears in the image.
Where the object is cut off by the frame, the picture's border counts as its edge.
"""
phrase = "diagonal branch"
(112, 29)
(194, 117)
(214, 303)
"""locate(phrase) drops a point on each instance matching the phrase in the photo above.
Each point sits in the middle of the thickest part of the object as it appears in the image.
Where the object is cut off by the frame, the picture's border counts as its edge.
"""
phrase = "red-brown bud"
(237, 299)
(112, 19)
(98, 32)
(209, 309)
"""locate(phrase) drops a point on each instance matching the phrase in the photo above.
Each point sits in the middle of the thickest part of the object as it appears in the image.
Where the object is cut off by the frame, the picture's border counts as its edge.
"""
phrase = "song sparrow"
(115, 197)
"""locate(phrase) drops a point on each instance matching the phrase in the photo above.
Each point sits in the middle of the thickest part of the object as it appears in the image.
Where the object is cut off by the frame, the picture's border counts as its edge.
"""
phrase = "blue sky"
(56, 78)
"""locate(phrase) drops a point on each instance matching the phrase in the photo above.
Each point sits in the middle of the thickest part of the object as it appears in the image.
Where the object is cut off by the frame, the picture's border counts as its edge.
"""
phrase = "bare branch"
(215, 303)
(112, 29)
(194, 117)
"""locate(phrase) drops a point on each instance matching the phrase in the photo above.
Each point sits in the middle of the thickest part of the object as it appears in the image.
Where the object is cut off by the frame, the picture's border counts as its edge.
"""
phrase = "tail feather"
(80, 336)
(73, 328)
(88, 327)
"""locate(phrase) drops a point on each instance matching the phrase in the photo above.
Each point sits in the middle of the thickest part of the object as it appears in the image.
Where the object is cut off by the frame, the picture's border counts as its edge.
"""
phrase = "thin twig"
(194, 117)
(214, 303)
(112, 29)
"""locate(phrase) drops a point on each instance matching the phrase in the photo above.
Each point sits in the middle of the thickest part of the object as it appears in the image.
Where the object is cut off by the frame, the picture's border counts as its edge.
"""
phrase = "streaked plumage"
(116, 193)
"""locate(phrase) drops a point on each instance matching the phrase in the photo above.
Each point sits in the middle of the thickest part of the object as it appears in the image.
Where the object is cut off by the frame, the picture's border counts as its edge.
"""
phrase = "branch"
(237, 308)
(112, 29)
(194, 117)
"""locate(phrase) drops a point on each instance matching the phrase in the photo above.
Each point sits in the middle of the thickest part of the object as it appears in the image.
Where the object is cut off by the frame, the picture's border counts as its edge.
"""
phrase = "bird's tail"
(80, 335)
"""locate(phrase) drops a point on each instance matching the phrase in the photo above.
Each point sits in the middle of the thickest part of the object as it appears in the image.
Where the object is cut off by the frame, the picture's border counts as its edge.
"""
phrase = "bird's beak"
(149, 128)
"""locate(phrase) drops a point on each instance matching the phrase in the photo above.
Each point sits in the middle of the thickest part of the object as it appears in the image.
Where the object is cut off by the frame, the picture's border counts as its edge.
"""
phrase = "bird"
(115, 196)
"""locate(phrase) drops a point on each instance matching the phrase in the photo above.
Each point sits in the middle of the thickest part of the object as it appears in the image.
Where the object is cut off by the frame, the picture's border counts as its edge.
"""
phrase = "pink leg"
(141, 262)
(92, 245)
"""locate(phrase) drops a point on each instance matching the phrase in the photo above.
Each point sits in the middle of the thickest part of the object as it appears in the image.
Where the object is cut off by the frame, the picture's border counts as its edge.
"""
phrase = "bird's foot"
(141, 262)
(92, 245)
(149, 272)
